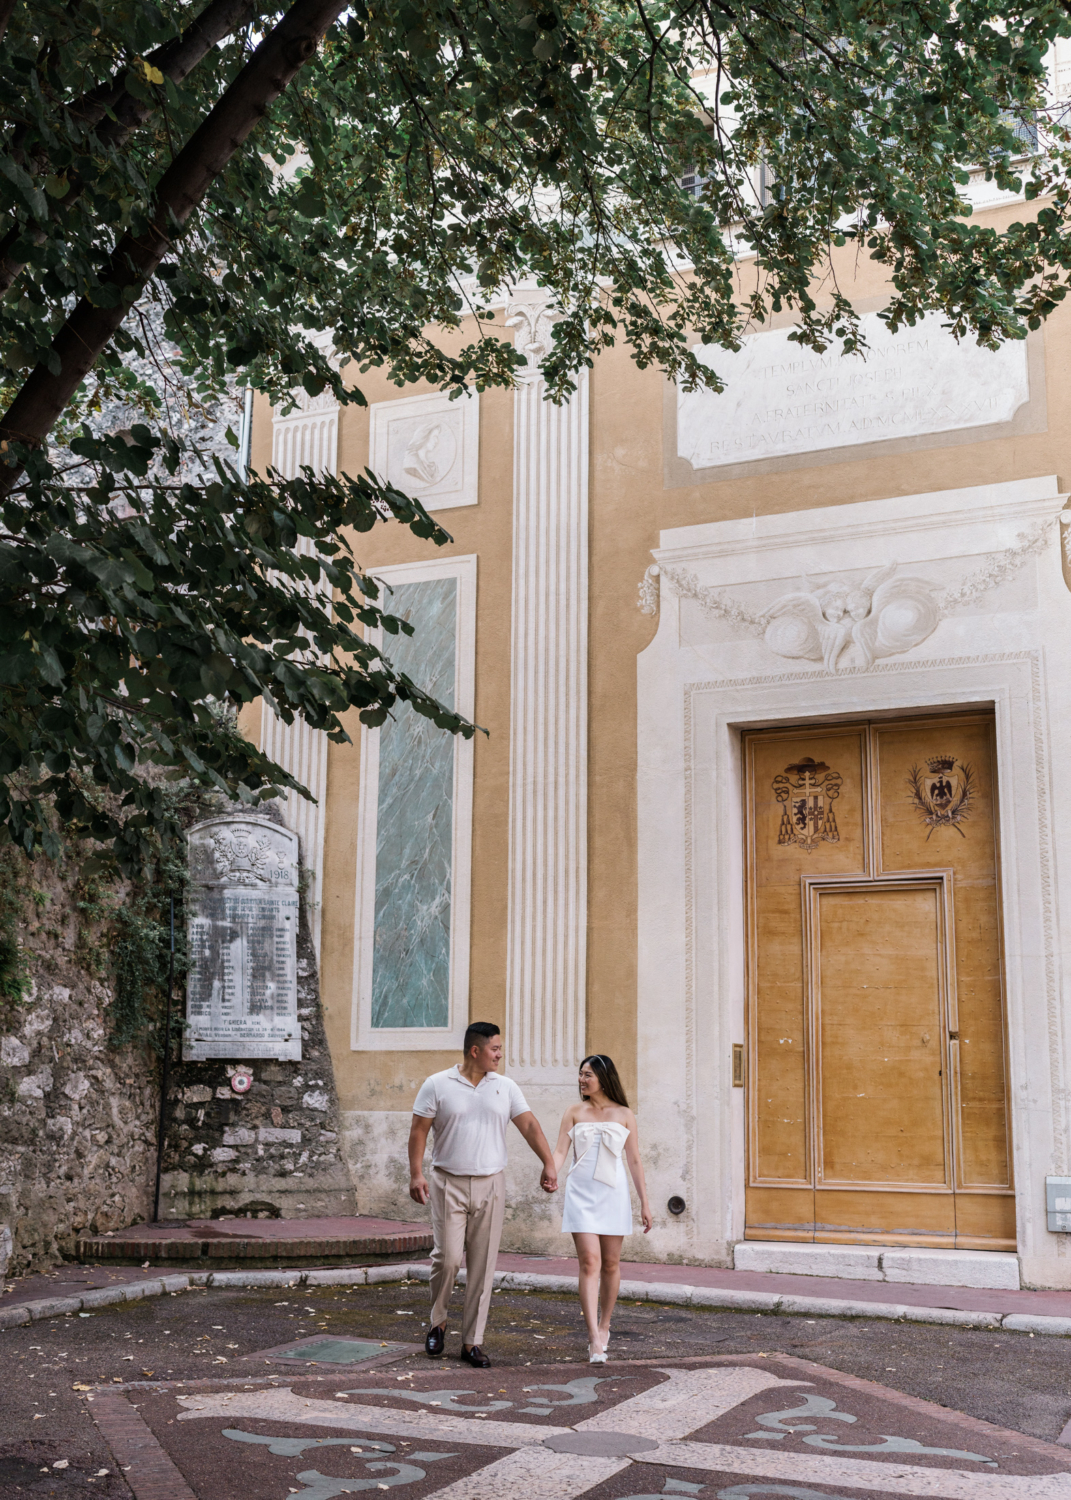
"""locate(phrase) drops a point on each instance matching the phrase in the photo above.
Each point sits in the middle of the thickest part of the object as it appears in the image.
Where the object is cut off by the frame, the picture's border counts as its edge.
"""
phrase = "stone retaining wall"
(79, 1117)
(271, 1152)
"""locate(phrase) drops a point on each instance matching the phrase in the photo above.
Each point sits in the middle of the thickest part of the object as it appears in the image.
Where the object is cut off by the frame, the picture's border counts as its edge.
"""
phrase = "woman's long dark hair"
(604, 1070)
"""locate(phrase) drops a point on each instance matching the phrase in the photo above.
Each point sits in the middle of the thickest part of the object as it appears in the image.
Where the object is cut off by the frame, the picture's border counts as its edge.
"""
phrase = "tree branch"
(175, 60)
(86, 333)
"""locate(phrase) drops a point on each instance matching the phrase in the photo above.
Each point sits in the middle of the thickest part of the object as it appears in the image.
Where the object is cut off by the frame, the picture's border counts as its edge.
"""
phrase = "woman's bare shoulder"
(627, 1117)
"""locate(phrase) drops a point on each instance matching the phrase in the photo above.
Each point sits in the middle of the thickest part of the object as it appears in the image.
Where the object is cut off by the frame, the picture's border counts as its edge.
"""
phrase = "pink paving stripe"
(966, 1299)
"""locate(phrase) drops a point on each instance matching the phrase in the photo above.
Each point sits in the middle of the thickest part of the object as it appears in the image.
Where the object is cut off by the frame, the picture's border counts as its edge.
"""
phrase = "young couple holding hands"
(470, 1107)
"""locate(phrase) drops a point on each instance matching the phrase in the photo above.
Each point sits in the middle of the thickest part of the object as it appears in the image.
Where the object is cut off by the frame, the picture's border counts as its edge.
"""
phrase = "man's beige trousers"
(466, 1216)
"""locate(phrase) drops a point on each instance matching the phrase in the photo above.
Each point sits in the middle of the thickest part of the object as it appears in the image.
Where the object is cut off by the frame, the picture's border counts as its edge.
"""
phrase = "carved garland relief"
(882, 616)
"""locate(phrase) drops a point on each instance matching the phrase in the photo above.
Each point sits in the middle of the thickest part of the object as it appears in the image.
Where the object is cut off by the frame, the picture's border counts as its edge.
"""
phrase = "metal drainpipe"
(245, 436)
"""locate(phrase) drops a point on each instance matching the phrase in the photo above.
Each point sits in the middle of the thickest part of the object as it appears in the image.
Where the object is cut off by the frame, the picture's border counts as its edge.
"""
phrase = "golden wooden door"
(876, 1090)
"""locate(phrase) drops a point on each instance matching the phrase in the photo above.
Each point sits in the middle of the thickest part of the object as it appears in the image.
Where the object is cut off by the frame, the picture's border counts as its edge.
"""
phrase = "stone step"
(990, 1270)
(219, 1243)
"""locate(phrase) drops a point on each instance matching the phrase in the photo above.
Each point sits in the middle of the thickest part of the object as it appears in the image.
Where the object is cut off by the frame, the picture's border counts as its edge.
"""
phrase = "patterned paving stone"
(720, 1429)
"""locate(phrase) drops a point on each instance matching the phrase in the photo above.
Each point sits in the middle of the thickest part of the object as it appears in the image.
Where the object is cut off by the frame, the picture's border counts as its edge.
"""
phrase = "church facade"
(773, 804)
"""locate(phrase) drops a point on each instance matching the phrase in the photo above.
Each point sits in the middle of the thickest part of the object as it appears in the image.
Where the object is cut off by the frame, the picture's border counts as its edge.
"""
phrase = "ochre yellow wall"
(629, 506)
(383, 1080)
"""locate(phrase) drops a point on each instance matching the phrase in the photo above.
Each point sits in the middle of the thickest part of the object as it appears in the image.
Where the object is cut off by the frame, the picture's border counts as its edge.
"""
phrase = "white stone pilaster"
(302, 751)
(307, 437)
(545, 986)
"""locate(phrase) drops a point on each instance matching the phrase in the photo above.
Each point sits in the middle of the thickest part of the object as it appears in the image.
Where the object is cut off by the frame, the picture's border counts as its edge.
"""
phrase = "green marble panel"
(414, 829)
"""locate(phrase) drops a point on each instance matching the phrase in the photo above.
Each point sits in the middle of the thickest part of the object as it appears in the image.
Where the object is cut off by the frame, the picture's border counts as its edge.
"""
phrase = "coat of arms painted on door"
(942, 792)
(807, 791)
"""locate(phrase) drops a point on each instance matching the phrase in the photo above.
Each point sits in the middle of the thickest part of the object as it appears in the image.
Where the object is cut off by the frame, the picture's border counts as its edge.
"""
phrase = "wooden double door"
(876, 1078)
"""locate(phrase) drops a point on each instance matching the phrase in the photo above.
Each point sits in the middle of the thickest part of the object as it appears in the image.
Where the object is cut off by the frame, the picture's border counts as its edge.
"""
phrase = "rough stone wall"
(77, 1125)
(273, 1150)
(79, 1117)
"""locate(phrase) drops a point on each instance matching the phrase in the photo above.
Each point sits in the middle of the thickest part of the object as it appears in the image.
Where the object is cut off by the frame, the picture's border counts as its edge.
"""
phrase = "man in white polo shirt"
(469, 1106)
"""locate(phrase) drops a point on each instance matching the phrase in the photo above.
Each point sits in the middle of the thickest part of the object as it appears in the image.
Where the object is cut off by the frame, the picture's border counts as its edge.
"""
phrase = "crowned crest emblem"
(242, 859)
(942, 792)
(807, 791)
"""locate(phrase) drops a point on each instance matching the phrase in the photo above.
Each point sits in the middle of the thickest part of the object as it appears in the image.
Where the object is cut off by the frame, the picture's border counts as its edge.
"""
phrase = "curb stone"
(830, 1307)
(1034, 1323)
(957, 1318)
(336, 1278)
(256, 1278)
(670, 1293)
(104, 1296)
(139, 1289)
(707, 1296)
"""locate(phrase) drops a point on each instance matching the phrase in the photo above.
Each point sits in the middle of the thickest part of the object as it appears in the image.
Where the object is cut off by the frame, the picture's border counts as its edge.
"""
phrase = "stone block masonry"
(271, 1150)
(77, 1122)
(78, 1115)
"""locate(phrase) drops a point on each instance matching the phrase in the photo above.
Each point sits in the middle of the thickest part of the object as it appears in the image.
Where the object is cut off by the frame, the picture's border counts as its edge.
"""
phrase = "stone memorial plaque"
(781, 398)
(241, 990)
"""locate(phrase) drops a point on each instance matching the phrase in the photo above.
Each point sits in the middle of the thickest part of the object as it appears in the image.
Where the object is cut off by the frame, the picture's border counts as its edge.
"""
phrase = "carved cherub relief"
(882, 616)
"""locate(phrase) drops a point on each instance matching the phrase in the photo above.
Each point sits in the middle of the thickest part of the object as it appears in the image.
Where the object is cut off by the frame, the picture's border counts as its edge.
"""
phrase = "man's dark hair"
(479, 1033)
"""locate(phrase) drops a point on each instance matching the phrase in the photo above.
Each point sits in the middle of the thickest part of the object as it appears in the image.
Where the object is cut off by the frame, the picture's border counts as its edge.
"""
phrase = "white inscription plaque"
(781, 398)
(241, 990)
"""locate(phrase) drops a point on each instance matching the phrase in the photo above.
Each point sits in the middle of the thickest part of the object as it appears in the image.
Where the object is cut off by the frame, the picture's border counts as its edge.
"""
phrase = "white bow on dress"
(611, 1138)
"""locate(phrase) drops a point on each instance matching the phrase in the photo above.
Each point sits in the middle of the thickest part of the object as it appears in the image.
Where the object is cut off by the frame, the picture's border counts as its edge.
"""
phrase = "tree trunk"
(175, 60)
(83, 337)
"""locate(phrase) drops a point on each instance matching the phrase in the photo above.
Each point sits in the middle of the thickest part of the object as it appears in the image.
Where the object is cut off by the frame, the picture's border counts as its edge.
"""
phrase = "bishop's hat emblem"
(806, 792)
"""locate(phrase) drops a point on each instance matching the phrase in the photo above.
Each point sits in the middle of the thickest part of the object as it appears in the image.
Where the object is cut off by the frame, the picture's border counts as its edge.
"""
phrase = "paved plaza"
(269, 1393)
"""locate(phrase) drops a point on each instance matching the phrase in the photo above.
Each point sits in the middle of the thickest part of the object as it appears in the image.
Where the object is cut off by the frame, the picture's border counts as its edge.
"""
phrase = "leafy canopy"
(405, 161)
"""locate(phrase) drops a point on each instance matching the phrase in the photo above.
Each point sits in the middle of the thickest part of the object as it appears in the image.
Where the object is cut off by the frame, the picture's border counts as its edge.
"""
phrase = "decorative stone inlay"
(414, 822)
(601, 1444)
(778, 1429)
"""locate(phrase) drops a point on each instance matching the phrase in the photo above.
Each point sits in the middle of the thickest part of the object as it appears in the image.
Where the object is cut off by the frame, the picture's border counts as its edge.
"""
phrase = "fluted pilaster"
(548, 722)
(307, 437)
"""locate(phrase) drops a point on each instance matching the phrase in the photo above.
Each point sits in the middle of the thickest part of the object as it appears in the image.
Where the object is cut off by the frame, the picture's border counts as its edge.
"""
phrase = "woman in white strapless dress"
(600, 1133)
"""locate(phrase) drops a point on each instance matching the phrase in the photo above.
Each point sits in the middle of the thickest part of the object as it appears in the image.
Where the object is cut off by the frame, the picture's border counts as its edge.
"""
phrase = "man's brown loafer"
(476, 1357)
(435, 1342)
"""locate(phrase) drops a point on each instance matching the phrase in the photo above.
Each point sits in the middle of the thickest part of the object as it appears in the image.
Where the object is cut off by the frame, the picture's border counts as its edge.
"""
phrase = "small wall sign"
(1058, 1204)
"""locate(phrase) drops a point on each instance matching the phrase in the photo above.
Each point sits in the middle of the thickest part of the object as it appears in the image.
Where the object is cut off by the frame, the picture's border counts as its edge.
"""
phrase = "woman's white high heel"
(596, 1356)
